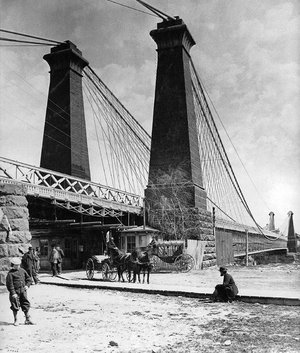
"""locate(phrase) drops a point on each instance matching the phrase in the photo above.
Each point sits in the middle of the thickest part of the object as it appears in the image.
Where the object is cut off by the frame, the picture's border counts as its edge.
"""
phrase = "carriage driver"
(110, 244)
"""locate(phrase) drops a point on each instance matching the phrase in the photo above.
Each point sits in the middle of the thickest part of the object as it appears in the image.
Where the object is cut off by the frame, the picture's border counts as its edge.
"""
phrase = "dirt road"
(81, 320)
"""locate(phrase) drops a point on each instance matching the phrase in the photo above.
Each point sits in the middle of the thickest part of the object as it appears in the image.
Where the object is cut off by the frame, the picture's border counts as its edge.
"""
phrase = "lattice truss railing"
(123, 144)
(65, 191)
(221, 185)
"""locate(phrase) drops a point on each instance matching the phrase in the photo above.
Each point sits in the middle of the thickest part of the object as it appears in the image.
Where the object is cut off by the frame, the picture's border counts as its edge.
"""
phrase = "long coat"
(29, 262)
(229, 283)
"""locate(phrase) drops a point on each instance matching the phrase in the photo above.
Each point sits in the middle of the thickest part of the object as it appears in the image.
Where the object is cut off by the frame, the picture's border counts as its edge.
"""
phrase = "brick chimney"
(271, 225)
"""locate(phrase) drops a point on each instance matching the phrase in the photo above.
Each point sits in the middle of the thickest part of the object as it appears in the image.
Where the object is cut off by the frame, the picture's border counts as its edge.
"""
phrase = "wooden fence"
(233, 243)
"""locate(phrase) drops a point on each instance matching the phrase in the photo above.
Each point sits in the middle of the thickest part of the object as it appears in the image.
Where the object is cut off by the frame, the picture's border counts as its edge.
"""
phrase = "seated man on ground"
(227, 291)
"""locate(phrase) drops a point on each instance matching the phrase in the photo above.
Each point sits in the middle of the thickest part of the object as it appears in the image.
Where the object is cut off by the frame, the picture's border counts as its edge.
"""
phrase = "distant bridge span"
(65, 191)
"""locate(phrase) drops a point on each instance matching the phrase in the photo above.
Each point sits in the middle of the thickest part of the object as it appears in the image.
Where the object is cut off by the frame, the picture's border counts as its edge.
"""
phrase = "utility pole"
(144, 214)
(247, 246)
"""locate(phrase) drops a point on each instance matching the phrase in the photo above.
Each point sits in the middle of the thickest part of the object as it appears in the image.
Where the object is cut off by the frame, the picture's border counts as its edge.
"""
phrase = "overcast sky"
(247, 54)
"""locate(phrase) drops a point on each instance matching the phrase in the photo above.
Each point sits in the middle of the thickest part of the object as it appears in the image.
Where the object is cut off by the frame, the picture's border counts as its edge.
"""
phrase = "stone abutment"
(14, 226)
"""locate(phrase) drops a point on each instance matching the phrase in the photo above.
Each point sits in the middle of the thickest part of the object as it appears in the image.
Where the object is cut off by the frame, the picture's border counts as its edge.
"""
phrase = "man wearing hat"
(17, 283)
(29, 264)
(227, 291)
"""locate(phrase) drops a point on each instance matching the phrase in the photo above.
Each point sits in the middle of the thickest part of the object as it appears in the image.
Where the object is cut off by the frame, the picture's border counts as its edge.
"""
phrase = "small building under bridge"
(136, 237)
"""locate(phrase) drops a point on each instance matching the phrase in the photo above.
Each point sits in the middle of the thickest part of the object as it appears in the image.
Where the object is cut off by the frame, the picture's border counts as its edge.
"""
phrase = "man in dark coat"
(29, 264)
(53, 259)
(228, 290)
(61, 255)
(17, 283)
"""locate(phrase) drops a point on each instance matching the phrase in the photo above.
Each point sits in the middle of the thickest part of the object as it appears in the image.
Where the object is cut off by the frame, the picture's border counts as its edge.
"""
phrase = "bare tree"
(168, 205)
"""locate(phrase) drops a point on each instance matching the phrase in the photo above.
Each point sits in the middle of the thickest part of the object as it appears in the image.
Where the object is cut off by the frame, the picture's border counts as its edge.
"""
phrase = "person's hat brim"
(15, 261)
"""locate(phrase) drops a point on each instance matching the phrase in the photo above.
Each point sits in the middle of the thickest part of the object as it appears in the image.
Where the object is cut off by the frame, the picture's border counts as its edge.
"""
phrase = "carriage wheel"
(184, 263)
(90, 268)
(109, 273)
(105, 271)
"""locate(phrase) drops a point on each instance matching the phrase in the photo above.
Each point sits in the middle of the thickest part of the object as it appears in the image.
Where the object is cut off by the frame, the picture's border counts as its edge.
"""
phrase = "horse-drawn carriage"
(117, 262)
(171, 255)
(169, 252)
(103, 264)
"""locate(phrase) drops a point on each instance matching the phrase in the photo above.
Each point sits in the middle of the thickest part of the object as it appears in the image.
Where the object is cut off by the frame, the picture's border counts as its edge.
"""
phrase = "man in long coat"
(61, 255)
(53, 259)
(29, 264)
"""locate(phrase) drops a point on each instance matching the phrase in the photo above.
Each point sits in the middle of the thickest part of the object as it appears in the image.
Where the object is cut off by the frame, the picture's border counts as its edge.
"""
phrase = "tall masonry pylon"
(174, 155)
(65, 147)
(176, 201)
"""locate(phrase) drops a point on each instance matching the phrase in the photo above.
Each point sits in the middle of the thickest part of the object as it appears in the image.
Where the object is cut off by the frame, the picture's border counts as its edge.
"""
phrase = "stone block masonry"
(14, 226)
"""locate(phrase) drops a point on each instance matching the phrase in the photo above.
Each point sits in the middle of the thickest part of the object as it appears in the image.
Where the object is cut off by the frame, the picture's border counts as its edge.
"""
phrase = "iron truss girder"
(88, 210)
(44, 183)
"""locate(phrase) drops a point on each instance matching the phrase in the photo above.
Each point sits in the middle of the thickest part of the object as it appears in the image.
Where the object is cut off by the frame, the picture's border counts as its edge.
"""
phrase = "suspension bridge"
(124, 154)
(125, 150)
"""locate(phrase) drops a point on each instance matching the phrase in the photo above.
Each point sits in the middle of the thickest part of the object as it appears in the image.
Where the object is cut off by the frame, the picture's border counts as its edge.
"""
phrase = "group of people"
(24, 272)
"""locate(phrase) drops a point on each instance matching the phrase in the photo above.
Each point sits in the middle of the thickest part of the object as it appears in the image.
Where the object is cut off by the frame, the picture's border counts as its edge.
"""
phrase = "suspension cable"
(24, 41)
(29, 36)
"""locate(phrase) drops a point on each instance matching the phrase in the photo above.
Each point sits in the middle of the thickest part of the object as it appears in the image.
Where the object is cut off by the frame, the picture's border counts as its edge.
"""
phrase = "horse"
(122, 262)
(144, 265)
(134, 263)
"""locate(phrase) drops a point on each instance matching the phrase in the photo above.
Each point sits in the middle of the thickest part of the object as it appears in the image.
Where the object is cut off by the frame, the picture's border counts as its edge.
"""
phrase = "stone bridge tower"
(175, 182)
(65, 147)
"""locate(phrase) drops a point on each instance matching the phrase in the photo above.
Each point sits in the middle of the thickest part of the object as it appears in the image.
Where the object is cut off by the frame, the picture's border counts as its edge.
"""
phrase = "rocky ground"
(85, 320)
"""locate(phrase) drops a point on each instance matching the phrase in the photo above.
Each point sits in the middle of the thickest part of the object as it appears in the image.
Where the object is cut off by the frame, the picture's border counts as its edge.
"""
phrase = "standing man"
(29, 264)
(53, 259)
(17, 283)
(227, 291)
(37, 260)
(60, 259)
(107, 238)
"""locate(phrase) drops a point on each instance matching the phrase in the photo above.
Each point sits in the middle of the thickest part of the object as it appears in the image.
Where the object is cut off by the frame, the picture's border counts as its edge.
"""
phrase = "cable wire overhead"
(30, 36)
